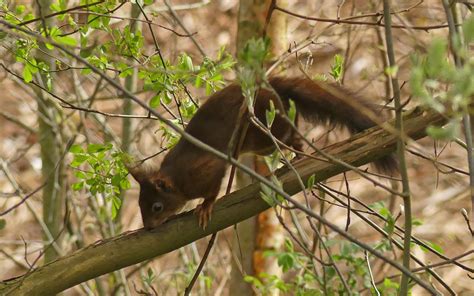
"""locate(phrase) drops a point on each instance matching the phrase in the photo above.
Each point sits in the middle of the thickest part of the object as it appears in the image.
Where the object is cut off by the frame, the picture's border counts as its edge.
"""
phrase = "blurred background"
(437, 170)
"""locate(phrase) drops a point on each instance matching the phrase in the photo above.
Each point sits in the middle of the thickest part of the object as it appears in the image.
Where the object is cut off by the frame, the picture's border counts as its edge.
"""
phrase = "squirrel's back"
(317, 102)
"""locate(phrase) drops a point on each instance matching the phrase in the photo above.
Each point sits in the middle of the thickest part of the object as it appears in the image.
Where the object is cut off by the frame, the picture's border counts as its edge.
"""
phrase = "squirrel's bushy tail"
(321, 103)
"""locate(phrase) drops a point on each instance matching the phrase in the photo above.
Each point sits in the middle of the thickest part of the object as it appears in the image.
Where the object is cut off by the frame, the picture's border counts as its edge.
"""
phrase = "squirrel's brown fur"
(188, 172)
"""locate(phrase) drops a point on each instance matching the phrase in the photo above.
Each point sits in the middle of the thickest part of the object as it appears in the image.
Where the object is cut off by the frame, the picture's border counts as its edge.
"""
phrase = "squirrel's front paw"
(204, 211)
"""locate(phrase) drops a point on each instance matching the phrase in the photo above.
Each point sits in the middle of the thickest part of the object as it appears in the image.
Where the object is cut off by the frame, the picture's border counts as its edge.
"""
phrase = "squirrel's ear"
(164, 184)
(139, 174)
(140, 171)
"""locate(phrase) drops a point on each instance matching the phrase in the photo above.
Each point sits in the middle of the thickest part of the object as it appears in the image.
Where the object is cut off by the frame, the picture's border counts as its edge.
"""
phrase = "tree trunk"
(49, 117)
(264, 232)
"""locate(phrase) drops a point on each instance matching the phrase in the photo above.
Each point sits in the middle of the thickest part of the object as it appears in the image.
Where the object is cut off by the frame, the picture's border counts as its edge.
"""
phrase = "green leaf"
(155, 101)
(253, 281)
(78, 160)
(436, 247)
(391, 71)
(270, 114)
(55, 7)
(116, 180)
(187, 62)
(330, 272)
(86, 71)
(436, 58)
(289, 247)
(292, 111)
(126, 72)
(94, 148)
(167, 97)
(286, 261)
(114, 212)
(149, 277)
(385, 212)
(76, 149)
(320, 77)
(124, 184)
(310, 182)
(390, 226)
(28, 17)
(198, 81)
(27, 75)
(267, 195)
(66, 40)
(80, 175)
(77, 186)
(337, 67)
(20, 9)
(49, 46)
(116, 204)
(3, 223)
(273, 160)
(376, 206)
(450, 131)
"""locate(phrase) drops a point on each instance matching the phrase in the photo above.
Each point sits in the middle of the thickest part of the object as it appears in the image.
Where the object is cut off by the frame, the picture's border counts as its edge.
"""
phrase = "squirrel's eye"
(157, 207)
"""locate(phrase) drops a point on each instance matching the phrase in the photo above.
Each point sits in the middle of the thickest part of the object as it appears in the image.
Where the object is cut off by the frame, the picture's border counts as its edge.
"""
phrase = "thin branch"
(52, 173)
(17, 121)
(178, 20)
(188, 289)
(372, 281)
(348, 21)
(67, 105)
(400, 146)
(187, 6)
(147, 21)
(60, 13)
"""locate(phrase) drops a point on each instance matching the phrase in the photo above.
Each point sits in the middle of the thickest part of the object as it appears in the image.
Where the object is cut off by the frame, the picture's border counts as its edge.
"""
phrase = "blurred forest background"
(37, 129)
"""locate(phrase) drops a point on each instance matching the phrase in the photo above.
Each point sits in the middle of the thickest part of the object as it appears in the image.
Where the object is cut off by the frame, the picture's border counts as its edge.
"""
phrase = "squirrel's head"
(159, 199)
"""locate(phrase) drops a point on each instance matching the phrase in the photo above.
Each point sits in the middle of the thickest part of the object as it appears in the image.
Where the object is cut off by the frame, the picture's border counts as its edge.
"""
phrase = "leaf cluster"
(101, 169)
(444, 85)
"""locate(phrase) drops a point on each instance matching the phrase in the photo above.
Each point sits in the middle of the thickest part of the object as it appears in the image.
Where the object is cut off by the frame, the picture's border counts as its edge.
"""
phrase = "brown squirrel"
(188, 172)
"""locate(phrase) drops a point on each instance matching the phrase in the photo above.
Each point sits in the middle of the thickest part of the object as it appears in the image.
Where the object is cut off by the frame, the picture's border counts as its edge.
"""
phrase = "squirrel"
(188, 172)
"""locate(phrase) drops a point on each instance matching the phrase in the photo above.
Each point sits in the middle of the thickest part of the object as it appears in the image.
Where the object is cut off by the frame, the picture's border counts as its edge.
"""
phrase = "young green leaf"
(270, 114)
(310, 182)
(292, 111)
(27, 75)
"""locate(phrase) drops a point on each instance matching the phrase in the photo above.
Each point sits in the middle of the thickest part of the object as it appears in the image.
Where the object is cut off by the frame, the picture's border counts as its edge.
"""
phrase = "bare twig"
(349, 21)
(400, 146)
(372, 281)
(178, 20)
(60, 12)
(147, 21)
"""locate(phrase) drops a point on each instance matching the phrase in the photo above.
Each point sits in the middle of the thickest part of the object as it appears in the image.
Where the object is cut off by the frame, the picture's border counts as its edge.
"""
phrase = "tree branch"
(136, 246)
